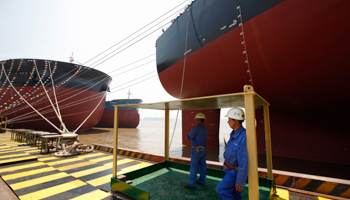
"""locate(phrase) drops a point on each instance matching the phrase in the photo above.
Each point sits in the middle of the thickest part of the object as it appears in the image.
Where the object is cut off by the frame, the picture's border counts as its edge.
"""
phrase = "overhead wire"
(58, 89)
(133, 33)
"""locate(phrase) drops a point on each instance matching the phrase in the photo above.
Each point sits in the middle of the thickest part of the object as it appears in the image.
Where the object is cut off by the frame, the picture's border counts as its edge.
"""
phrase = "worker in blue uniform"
(199, 136)
(236, 158)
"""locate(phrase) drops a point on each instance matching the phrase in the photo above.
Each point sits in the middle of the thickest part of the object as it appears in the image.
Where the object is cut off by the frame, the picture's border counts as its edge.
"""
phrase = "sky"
(53, 30)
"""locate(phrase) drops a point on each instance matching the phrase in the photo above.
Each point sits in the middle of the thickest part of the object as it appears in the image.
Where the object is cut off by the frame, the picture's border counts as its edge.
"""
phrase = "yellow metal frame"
(248, 99)
(1, 122)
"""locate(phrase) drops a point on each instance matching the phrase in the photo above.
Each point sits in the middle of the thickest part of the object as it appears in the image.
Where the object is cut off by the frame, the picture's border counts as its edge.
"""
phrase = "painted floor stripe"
(102, 159)
(17, 159)
(37, 181)
(326, 187)
(119, 162)
(49, 158)
(13, 155)
(97, 194)
(107, 179)
(282, 194)
(89, 171)
(41, 194)
(8, 151)
(75, 166)
(134, 167)
(88, 155)
(27, 173)
(31, 151)
(100, 181)
(62, 161)
(21, 167)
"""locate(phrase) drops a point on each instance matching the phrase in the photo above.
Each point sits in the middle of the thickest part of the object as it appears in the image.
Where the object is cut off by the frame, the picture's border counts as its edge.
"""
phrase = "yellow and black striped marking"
(286, 180)
(84, 176)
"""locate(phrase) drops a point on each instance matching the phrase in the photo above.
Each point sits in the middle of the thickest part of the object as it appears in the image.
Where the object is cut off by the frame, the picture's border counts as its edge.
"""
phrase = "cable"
(133, 33)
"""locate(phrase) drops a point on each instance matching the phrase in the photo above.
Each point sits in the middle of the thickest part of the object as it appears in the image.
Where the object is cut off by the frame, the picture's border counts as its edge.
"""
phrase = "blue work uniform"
(236, 155)
(199, 136)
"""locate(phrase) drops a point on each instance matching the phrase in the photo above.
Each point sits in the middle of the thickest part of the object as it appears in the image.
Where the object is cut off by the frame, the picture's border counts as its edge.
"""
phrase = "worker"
(199, 136)
(236, 158)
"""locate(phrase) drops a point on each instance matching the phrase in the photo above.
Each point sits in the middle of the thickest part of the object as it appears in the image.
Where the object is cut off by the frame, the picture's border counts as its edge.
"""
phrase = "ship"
(128, 117)
(294, 53)
(50, 95)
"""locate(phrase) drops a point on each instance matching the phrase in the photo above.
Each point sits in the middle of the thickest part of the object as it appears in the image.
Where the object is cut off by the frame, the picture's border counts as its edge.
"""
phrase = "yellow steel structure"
(115, 146)
(166, 150)
(1, 122)
(248, 99)
(268, 141)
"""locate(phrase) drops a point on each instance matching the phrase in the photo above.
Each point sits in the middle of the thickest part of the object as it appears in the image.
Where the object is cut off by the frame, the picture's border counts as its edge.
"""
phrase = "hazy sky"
(47, 29)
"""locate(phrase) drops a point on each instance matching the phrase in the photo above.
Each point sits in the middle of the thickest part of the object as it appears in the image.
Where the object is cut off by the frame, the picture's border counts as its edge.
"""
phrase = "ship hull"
(128, 117)
(77, 94)
(294, 56)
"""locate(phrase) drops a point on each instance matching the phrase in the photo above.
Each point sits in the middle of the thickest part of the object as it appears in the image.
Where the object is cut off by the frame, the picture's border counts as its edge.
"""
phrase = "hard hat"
(199, 116)
(235, 113)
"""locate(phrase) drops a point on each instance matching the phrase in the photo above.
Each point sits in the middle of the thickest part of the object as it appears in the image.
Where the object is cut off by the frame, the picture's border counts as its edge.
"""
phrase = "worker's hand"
(239, 187)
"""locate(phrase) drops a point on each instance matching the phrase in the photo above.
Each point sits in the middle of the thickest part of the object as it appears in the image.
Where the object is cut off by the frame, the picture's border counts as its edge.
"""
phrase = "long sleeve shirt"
(198, 135)
(236, 154)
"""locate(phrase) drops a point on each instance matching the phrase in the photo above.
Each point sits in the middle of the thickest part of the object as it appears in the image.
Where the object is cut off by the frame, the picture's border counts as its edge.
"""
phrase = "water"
(149, 137)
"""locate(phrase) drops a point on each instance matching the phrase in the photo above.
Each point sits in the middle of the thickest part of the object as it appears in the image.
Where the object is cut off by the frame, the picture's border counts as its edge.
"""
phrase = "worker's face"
(231, 122)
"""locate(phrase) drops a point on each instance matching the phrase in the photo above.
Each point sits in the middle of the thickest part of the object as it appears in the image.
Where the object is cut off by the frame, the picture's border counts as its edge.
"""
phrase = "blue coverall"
(199, 136)
(235, 154)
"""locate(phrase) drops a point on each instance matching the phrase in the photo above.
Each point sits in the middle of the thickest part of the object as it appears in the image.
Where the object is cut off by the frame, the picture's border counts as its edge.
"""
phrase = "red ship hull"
(74, 110)
(127, 119)
(298, 56)
(80, 91)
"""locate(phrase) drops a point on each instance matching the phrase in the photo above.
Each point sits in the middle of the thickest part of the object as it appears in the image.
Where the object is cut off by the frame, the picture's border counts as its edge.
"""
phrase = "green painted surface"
(167, 183)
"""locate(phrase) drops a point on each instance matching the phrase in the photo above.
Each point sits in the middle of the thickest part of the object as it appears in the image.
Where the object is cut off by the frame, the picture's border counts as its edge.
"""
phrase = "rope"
(65, 100)
(48, 97)
(58, 110)
(183, 73)
(54, 93)
(29, 103)
(90, 113)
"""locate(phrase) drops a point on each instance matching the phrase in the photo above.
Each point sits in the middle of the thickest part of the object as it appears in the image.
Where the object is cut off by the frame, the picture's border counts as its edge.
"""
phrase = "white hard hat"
(235, 113)
(200, 116)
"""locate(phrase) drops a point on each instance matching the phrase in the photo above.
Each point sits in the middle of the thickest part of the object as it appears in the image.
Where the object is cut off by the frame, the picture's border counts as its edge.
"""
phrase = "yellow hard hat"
(199, 116)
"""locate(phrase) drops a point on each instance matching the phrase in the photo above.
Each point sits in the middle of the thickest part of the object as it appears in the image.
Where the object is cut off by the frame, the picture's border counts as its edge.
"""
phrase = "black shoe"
(189, 187)
(200, 183)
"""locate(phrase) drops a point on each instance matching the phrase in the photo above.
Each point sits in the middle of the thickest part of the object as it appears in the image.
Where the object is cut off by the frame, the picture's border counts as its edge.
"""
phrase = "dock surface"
(28, 174)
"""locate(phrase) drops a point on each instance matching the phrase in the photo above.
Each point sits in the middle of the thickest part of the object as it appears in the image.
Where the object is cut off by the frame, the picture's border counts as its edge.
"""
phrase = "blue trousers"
(226, 189)
(197, 160)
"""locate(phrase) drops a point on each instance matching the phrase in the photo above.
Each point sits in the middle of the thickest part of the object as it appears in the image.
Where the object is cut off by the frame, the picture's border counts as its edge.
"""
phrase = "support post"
(253, 179)
(5, 123)
(115, 146)
(268, 142)
(166, 154)
(1, 123)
